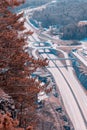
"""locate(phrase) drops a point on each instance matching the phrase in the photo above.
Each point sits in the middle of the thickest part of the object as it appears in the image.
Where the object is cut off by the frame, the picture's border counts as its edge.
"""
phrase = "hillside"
(63, 13)
(31, 3)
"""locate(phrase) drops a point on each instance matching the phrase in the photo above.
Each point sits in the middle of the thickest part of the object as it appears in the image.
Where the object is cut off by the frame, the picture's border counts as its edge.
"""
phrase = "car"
(59, 109)
(74, 49)
(55, 94)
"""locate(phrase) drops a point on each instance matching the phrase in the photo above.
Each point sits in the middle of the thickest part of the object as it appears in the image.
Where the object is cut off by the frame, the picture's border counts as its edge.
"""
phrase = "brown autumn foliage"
(16, 66)
(15, 2)
(7, 123)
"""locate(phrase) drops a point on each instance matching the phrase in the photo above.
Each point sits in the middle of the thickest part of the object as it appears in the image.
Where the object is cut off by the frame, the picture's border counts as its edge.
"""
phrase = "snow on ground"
(34, 53)
(67, 95)
(42, 96)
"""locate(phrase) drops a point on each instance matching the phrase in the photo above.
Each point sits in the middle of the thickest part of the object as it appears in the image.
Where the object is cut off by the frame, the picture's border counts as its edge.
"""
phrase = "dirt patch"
(62, 42)
(48, 119)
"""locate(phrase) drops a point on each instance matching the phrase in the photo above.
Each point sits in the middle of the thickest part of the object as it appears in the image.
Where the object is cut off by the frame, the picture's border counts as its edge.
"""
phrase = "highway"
(73, 96)
(70, 101)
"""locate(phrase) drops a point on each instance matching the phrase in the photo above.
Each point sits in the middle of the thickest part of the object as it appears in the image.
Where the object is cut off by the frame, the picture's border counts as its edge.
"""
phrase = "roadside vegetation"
(81, 72)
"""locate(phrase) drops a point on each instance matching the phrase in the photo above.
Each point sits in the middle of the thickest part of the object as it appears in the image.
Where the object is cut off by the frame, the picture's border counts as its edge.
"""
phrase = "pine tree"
(16, 66)
(7, 123)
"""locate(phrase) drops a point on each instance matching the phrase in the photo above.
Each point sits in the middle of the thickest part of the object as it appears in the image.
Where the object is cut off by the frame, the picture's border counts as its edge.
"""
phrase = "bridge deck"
(62, 59)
